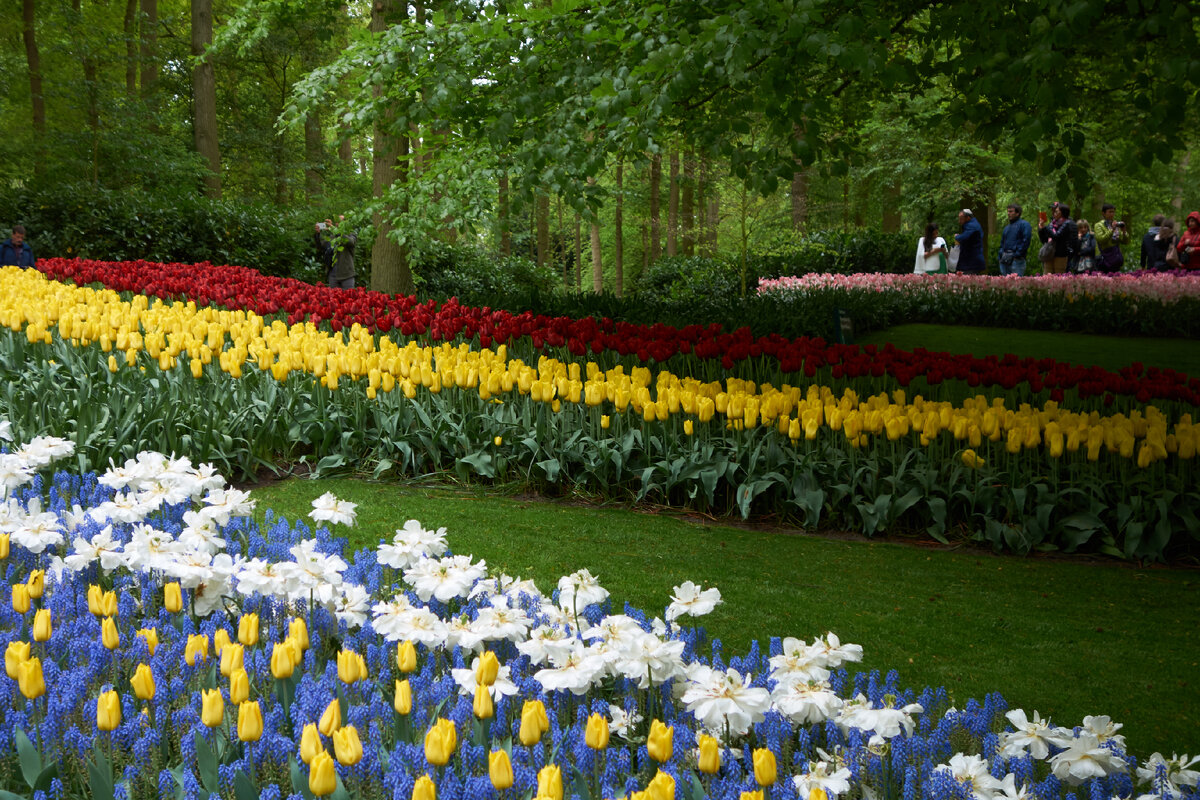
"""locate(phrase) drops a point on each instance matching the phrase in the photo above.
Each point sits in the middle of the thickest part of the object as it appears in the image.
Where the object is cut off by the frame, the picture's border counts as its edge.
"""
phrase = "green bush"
(836, 252)
(477, 277)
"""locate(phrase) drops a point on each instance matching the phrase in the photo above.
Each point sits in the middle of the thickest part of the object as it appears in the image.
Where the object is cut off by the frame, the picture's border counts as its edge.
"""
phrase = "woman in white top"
(931, 251)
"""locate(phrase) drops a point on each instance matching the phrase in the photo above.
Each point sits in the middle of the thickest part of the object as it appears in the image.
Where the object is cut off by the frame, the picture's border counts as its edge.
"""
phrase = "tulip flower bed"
(161, 641)
(231, 387)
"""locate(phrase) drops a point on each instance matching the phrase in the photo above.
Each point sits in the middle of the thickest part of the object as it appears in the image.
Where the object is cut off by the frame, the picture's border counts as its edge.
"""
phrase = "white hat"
(968, 212)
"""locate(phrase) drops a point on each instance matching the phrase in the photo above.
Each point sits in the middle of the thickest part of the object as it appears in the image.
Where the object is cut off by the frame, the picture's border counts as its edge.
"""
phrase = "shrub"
(477, 277)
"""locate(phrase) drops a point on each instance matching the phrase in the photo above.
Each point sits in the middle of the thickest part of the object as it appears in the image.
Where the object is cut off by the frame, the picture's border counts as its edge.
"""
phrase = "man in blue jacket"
(970, 258)
(1014, 242)
(14, 252)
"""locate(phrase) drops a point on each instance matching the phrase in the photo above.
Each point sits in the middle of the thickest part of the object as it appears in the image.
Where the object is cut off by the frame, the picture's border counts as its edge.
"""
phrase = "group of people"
(1068, 245)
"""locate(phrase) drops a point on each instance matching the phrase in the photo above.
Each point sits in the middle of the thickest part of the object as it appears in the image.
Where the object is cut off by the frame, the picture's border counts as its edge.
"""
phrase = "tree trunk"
(543, 228)
(578, 253)
(619, 234)
(673, 206)
(204, 88)
(149, 48)
(390, 272)
(131, 40)
(314, 156)
(655, 211)
(645, 247)
(502, 217)
(1177, 191)
(714, 221)
(800, 199)
(687, 207)
(891, 207)
(597, 263)
(34, 62)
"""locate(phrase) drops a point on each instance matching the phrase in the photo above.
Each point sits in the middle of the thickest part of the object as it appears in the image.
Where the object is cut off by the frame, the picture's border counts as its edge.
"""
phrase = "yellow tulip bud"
(659, 743)
(971, 460)
(142, 682)
(20, 598)
(661, 787)
(108, 711)
(150, 637)
(233, 657)
(533, 722)
(173, 598)
(322, 777)
(688, 427)
(95, 600)
(331, 720)
(4, 545)
(42, 626)
(605, 422)
(212, 707)
(483, 706)
(347, 666)
(248, 630)
(36, 583)
(499, 440)
(347, 746)
(282, 665)
(310, 743)
(239, 686)
(500, 770)
(406, 656)
(29, 678)
(424, 789)
(440, 742)
(250, 722)
(298, 631)
(196, 649)
(764, 767)
(403, 699)
(709, 761)
(109, 634)
(757, 794)
(596, 736)
(108, 604)
(818, 793)
(487, 668)
(220, 639)
(14, 655)
(549, 782)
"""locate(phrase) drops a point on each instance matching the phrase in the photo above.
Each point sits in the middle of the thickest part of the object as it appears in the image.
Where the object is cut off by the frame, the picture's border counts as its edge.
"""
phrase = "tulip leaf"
(31, 760)
(482, 463)
(697, 788)
(580, 785)
(243, 787)
(100, 779)
(206, 764)
(299, 781)
(551, 467)
(7, 795)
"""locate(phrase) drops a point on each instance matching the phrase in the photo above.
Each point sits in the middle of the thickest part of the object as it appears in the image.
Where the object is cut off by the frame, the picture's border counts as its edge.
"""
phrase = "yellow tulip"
(36, 583)
(403, 699)
(533, 715)
(764, 767)
(709, 761)
(29, 678)
(248, 630)
(347, 666)
(4, 545)
(971, 460)
(250, 722)
(424, 789)
(310, 743)
(406, 657)
(500, 770)
(817, 793)
(499, 440)
(281, 661)
(14, 655)
(659, 743)
(173, 597)
(108, 604)
(95, 602)
(440, 742)
(142, 682)
(596, 735)
(108, 711)
(688, 427)
(109, 634)
(212, 707)
(233, 657)
(549, 783)
(661, 787)
(42, 626)
(487, 668)
(757, 794)
(347, 746)
(331, 720)
(322, 777)
(239, 686)
(20, 598)
(220, 639)
(605, 421)
(298, 631)
(196, 649)
(150, 637)
(483, 707)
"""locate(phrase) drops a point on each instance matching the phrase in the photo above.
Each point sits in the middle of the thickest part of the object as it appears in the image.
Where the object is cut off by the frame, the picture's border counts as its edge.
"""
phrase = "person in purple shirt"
(970, 242)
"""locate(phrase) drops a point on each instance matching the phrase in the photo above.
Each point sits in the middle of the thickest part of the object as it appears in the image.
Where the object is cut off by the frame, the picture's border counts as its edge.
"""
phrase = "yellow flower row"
(233, 339)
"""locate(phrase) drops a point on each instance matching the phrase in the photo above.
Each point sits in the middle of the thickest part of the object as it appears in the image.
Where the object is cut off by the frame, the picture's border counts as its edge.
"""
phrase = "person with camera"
(336, 252)
(1014, 242)
(1111, 233)
(15, 251)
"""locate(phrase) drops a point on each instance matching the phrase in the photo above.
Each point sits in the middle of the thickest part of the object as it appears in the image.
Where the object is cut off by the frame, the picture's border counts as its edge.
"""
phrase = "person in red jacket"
(1189, 243)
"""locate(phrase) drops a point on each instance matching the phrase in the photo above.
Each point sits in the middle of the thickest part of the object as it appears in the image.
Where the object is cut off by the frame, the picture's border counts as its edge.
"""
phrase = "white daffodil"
(221, 504)
(806, 703)
(1178, 769)
(101, 547)
(15, 472)
(724, 700)
(41, 451)
(544, 642)
(579, 590)
(973, 771)
(328, 508)
(1009, 791)
(884, 723)
(832, 779)
(1084, 758)
(412, 543)
(39, 530)
(621, 721)
(6, 430)
(156, 494)
(149, 548)
(1105, 729)
(830, 650)
(1034, 737)
(688, 598)
(256, 576)
(799, 663)
(444, 578)
(418, 625)
(351, 605)
(649, 660)
(500, 621)
(574, 673)
(200, 533)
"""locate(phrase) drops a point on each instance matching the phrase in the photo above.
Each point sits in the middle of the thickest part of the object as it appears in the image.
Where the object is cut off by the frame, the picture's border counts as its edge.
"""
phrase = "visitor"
(931, 252)
(1111, 233)
(1085, 259)
(15, 251)
(337, 253)
(1148, 241)
(1189, 243)
(970, 240)
(1014, 242)
(1059, 229)
(1162, 248)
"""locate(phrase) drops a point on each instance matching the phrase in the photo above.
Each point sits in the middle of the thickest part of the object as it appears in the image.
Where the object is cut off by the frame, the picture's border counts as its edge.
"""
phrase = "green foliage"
(70, 220)
(688, 279)
(476, 277)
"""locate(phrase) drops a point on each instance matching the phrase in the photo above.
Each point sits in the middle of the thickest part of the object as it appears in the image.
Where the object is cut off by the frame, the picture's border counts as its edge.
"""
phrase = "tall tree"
(687, 206)
(619, 234)
(34, 63)
(655, 214)
(131, 48)
(390, 271)
(204, 96)
(148, 56)
(673, 206)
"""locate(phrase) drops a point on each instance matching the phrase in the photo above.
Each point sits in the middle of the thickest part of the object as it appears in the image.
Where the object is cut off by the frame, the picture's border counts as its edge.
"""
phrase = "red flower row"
(244, 288)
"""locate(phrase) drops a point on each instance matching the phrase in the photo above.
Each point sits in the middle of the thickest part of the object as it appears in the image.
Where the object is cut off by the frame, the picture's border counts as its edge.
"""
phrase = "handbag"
(1173, 255)
(952, 258)
(1046, 253)
(1111, 259)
